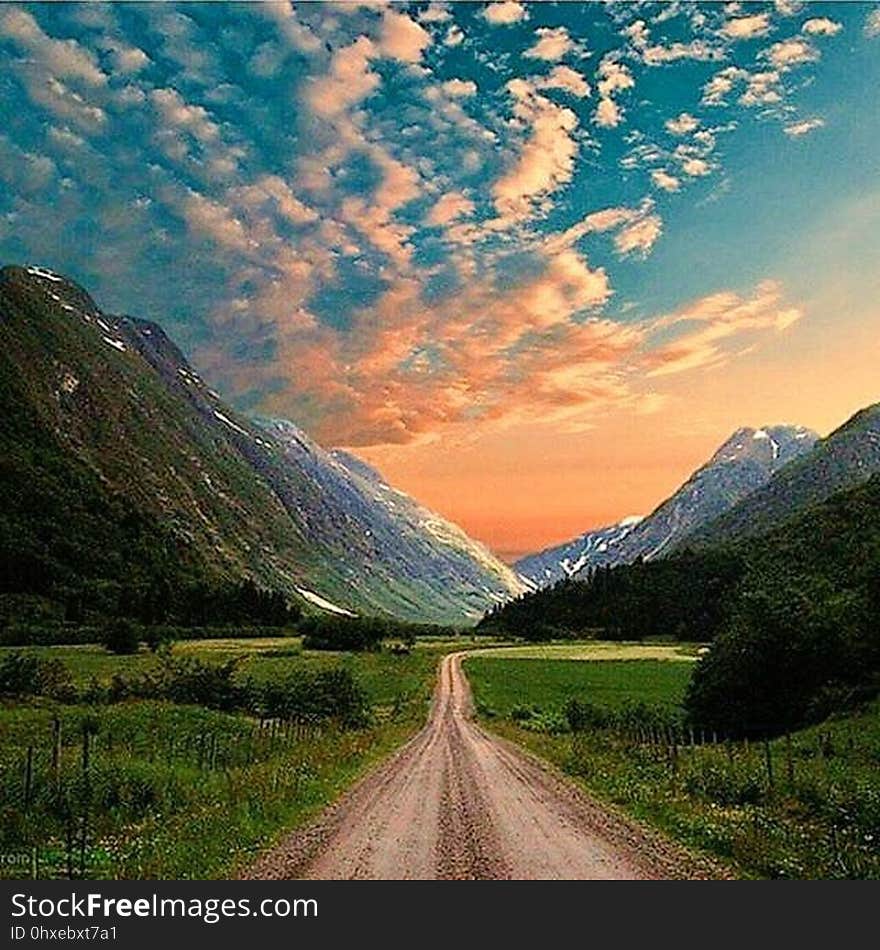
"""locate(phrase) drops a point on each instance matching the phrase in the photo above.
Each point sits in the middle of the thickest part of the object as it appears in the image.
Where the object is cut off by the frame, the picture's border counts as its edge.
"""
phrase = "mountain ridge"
(117, 397)
(844, 459)
(741, 464)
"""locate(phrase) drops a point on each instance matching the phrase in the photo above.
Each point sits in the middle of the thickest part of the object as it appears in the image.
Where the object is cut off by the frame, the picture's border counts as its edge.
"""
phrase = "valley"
(213, 629)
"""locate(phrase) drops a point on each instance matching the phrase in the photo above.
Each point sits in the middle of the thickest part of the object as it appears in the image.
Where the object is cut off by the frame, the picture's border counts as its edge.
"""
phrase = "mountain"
(739, 467)
(846, 458)
(565, 560)
(119, 463)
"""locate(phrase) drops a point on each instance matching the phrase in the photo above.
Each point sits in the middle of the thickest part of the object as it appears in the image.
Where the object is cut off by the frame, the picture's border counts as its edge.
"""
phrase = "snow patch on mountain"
(323, 603)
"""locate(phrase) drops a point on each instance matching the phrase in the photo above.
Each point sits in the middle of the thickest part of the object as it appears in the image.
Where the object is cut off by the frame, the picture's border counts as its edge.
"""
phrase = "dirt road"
(459, 803)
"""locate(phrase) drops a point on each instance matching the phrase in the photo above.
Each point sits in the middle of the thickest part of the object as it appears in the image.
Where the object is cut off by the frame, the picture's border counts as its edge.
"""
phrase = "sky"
(535, 261)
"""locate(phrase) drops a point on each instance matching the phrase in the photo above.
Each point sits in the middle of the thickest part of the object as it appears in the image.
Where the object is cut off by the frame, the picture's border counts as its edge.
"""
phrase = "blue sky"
(495, 227)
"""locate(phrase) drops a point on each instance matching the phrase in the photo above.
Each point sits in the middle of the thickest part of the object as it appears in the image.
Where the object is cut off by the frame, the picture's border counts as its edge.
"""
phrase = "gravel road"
(457, 802)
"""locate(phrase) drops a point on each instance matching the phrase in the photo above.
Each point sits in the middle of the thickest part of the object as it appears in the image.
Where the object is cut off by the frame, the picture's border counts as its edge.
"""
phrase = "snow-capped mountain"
(552, 564)
(745, 462)
(842, 460)
(115, 405)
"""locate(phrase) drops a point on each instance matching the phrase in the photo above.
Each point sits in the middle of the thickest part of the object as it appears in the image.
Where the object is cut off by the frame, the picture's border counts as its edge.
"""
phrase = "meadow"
(153, 789)
(548, 683)
(806, 805)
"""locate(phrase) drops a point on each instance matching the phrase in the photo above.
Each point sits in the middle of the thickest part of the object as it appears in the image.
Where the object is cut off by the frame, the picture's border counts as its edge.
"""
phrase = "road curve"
(459, 803)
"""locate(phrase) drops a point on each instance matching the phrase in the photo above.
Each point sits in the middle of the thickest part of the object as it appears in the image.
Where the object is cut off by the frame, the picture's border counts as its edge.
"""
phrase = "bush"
(520, 713)
(121, 637)
(310, 696)
(190, 680)
(156, 637)
(581, 716)
(357, 634)
(22, 674)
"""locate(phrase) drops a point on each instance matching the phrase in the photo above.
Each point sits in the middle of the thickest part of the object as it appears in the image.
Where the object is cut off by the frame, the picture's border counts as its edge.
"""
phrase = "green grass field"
(814, 813)
(597, 650)
(174, 791)
(383, 675)
(500, 684)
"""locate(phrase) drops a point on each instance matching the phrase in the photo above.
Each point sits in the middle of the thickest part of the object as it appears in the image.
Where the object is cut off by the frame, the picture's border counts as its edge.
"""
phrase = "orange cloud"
(703, 327)
(546, 160)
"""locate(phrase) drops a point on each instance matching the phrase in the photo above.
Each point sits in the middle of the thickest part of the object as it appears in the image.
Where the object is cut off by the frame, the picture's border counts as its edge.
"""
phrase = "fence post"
(56, 750)
(789, 761)
(28, 777)
(768, 755)
(88, 796)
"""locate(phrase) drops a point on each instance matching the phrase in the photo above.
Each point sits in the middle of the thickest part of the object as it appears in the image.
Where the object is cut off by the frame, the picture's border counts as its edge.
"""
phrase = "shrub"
(357, 634)
(308, 695)
(120, 636)
(156, 637)
(520, 713)
(581, 716)
(190, 680)
(23, 674)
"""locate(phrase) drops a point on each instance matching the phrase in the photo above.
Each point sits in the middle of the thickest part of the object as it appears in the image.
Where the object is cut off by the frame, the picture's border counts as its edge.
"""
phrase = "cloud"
(657, 54)
(25, 173)
(821, 26)
(682, 124)
(174, 111)
(565, 78)
(701, 332)
(761, 88)
(789, 53)
(720, 85)
(56, 97)
(803, 127)
(552, 44)
(505, 13)
(637, 228)
(486, 354)
(546, 159)
(128, 60)
(608, 114)
(448, 208)
(291, 28)
(640, 236)
(664, 180)
(348, 81)
(459, 88)
(454, 36)
(747, 27)
(435, 13)
(872, 24)
(402, 38)
(695, 167)
(613, 77)
(213, 220)
(64, 59)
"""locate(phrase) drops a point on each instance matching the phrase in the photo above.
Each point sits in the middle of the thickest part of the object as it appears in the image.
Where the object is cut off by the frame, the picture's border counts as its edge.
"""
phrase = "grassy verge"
(815, 813)
(175, 791)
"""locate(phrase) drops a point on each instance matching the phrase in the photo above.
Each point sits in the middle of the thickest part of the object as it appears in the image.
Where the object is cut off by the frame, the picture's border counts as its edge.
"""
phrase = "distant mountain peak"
(741, 464)
(767, 444)
(842, 460)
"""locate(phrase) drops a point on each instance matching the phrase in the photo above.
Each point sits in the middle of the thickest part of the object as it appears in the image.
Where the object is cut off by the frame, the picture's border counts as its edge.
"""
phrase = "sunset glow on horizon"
(533, 261)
